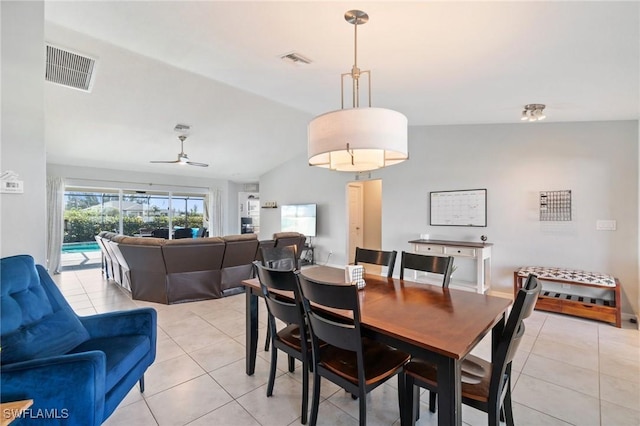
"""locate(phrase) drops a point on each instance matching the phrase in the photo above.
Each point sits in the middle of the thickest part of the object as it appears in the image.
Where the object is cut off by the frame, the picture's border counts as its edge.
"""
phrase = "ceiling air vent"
(69, 69)
(295, 58)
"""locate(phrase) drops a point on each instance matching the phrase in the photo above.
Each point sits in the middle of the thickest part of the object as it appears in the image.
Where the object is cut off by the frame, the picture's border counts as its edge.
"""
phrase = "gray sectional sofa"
(183, 270)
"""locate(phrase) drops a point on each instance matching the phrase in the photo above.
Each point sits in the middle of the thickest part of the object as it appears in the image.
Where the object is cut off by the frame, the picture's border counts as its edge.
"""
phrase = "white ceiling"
(163, 63)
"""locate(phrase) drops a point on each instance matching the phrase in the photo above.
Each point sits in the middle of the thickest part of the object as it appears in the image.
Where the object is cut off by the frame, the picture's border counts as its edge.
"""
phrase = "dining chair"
(283, 239)
(442, 265)
(291, 339)
(377, 257)
(355, 363)
(282, 258)
(486, 385)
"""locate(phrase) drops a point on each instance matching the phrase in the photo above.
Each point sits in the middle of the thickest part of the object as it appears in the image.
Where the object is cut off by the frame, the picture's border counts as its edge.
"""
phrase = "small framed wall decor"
(458, 208)
(555, 206)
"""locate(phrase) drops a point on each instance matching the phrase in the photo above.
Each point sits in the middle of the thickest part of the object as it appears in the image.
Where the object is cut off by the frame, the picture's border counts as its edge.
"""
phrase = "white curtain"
(213, 212)
(55, 222)
(206, 216)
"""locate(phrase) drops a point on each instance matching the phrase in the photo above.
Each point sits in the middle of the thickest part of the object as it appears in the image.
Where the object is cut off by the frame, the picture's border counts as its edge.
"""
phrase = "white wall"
(294, 182)
(23, 217)
(598, 161)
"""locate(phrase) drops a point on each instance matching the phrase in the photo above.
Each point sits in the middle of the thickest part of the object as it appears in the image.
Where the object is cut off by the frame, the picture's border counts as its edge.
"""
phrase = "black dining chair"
(282, 258)
(377, 257)
(442, 265)
(292, 339)
(355, 363)
(284, 239)
(486, 385)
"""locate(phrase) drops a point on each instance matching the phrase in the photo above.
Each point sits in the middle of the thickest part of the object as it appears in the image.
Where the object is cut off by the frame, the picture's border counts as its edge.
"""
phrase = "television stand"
(307, 256)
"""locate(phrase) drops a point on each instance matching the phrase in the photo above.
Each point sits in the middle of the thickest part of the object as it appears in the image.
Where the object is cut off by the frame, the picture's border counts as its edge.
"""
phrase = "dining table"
(441, 325)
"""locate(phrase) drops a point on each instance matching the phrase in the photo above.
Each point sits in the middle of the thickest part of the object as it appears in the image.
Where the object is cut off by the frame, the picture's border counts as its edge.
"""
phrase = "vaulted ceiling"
(216, 66)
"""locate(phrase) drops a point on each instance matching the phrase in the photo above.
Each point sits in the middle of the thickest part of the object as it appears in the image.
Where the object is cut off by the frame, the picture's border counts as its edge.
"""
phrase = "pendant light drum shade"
(358, 139)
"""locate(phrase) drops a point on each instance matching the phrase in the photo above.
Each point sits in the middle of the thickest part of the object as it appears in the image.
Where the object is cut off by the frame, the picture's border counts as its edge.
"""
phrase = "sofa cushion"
(193, 254)
(142, 241)
(122, 352)
(240, 252)
(194, 241)
(33, 324)
(240, 237)
(280, 235)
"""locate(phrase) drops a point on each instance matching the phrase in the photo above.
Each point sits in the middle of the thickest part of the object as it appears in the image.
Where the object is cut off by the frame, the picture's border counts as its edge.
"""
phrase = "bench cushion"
(569, 275)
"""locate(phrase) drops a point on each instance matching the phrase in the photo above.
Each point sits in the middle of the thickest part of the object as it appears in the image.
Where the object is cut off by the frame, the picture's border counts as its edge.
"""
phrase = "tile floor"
(567, 371)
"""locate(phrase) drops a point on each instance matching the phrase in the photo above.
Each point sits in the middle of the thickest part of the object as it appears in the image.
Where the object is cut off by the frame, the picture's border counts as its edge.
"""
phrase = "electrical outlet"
(328, 257)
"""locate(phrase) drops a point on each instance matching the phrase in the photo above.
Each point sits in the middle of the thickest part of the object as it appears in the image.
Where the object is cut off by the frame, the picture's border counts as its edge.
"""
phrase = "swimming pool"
(80, 247)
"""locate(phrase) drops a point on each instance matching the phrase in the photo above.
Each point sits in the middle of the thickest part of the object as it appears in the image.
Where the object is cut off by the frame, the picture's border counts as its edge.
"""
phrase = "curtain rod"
(133, 185)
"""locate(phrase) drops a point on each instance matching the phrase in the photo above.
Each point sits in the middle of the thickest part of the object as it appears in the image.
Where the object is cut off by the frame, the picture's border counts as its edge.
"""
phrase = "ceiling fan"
(182, 157)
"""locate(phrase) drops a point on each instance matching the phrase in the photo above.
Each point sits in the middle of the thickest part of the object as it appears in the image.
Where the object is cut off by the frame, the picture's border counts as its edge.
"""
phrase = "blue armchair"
(76, 369)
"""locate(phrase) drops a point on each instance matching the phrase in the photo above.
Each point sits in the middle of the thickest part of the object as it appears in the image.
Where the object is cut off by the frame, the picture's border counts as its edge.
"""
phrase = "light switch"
(605, 225)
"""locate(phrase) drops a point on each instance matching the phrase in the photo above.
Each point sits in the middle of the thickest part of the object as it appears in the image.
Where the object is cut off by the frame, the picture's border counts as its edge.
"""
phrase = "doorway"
(364, 216)
(249, 212)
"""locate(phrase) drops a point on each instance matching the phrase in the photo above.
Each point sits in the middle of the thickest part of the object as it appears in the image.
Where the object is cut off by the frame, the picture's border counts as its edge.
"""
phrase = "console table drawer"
(460, 251)
(464, 251)
(427, 248)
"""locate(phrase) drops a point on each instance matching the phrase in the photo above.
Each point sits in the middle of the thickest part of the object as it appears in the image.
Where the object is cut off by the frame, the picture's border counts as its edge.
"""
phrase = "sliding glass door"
(89, 212)
(128, 212)
(143, 212)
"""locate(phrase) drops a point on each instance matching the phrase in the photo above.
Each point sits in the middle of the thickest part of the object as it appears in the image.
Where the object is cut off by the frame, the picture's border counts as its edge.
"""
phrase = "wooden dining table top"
(445, 321)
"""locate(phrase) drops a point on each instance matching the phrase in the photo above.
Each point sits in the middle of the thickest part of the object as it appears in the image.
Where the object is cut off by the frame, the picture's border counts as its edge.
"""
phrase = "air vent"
(295, 58)
(69, 69)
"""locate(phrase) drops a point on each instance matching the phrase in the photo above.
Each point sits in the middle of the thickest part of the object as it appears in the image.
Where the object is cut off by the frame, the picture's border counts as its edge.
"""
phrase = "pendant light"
(357, 139)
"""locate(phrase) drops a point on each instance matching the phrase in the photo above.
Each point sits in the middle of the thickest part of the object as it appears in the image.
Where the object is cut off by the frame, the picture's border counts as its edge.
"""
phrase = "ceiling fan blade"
(166, 162)
(193, 163)
(182, 157)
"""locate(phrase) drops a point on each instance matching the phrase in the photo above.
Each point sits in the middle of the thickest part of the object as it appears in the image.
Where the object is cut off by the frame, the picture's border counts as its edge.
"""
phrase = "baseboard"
(629, 317)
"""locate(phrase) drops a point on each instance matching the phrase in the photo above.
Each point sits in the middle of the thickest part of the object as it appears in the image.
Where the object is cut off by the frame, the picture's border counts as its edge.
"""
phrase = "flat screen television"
(298, 218)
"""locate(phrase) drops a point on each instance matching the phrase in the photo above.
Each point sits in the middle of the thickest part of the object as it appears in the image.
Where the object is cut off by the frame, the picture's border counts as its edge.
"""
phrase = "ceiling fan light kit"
(357, 139)
(183, 159)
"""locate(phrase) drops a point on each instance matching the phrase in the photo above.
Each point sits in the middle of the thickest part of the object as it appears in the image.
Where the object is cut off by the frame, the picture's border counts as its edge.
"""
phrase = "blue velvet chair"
(76, 369)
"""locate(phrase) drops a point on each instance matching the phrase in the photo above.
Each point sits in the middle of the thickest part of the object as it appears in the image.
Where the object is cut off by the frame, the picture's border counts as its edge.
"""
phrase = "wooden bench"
(567, 300)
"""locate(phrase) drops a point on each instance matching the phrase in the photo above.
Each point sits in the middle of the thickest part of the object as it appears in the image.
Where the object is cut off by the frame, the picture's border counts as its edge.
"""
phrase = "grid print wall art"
(555, 205)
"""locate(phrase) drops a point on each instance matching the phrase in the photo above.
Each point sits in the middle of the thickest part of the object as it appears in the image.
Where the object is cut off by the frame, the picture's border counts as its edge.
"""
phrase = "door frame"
(365, 225)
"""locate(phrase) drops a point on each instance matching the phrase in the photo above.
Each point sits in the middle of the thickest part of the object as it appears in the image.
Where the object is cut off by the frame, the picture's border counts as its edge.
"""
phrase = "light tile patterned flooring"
(567, 371)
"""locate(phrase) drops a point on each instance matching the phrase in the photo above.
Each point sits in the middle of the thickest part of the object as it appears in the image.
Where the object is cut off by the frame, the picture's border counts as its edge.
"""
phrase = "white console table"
(480, 252)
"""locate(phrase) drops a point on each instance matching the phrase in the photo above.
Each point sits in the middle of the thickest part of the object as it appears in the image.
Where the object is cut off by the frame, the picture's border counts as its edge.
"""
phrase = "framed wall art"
(458, 208)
